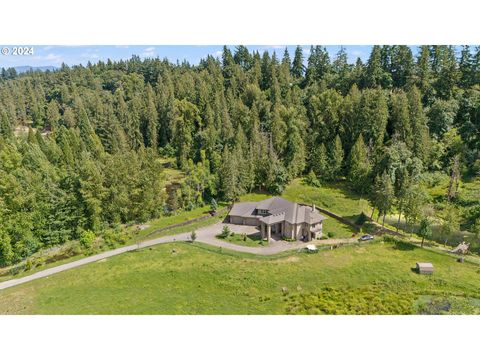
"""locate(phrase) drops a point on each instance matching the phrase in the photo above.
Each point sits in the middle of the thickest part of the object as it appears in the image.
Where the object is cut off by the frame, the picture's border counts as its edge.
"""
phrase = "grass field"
(145, 234)
(335, 199)
(244, 240)
(166, 221)
(195, 279)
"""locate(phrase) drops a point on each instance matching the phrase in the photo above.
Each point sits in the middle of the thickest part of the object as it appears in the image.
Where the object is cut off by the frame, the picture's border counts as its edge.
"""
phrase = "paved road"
(206, 235)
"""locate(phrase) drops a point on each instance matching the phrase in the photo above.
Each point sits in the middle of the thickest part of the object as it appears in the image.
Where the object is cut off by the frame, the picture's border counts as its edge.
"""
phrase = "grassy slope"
(468, 197)
(336, 199)
(142, 235)
(198, 280)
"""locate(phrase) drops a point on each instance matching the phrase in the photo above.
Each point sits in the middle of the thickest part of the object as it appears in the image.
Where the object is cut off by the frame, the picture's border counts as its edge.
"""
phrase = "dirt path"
(206, 235)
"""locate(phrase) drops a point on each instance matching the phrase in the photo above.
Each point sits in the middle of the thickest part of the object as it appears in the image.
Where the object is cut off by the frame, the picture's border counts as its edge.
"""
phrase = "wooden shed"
(425, 268)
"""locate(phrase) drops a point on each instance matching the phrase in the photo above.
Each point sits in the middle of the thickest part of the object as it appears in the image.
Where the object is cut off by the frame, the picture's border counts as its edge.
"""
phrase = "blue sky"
(46, 55)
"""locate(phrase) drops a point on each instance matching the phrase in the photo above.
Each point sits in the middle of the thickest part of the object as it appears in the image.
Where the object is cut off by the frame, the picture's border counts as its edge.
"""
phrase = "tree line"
(95, 135)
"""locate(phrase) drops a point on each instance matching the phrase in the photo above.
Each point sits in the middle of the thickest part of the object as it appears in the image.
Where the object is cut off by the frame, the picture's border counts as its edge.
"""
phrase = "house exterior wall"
(297, 231)
(288, 230)
(238, 220)
(252, 221)
(318, 234)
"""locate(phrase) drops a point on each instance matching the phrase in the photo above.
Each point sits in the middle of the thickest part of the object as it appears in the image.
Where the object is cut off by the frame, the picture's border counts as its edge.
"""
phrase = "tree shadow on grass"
(403, 246)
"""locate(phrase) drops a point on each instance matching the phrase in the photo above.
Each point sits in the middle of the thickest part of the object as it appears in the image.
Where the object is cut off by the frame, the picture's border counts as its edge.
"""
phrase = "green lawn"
(245, 240)
(172, 220)
(335, 199)
(196, 279)
(145, 234)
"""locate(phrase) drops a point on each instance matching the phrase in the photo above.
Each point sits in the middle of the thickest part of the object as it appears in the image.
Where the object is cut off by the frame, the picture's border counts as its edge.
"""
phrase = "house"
(277, 217)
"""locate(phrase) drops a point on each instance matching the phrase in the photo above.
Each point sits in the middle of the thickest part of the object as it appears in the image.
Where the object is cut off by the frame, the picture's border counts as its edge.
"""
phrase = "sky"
(47, 55)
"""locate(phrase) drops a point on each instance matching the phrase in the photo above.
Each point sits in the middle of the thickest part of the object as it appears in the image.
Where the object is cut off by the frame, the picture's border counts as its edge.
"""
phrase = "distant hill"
(22, 69)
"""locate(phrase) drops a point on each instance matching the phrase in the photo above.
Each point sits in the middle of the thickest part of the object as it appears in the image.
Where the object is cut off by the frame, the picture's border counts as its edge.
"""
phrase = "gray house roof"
(279, 210)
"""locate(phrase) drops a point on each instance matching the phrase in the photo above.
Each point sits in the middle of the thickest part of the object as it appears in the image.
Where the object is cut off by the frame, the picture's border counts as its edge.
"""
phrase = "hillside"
(89, 150)
(371, 278)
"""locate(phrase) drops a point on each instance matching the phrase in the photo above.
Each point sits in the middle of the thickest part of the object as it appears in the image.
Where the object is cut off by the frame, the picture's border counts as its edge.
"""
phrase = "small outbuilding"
(425, 268)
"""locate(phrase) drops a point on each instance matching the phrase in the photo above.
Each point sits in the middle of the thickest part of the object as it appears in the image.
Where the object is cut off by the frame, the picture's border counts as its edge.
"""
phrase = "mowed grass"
(195, 279)
(160, 223)
(335, 199)
(245, 240)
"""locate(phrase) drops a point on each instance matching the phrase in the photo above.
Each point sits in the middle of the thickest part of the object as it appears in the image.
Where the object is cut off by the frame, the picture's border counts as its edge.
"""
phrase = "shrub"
(111, 237)
(331, 234)
(86, 239)
(193, 236)
(366, 300)
(213, 206)
(312, 180)
(476, 167)
(225, 232)
(28, 264)
(74, 249)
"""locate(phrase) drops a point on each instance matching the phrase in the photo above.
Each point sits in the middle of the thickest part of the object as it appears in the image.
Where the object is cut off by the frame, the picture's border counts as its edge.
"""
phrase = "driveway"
(206, 235)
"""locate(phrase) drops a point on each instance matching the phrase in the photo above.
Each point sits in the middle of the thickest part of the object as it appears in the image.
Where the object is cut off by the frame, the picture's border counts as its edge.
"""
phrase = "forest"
(82, 147)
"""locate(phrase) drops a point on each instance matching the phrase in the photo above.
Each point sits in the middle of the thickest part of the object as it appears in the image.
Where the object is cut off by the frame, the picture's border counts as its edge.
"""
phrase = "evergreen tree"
(319, 162)
(298, 68)
(466, 68)
(383, 195)
(375, 75)
(359, 167)
(336, 158)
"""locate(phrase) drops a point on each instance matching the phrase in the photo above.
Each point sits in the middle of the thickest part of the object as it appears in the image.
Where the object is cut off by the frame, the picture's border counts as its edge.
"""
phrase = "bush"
(331, 234)
(225, 232)
(112, 237)
(213, 206)
(476, 168)
(193, 236)
(359, 301)
(86, 239)
(28, 264)
(312, 180)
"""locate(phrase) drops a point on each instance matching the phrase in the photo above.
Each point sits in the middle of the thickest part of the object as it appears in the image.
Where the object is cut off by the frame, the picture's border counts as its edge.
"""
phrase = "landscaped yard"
(151, 231)
(335, 199)
(195, 279)
(244, 239)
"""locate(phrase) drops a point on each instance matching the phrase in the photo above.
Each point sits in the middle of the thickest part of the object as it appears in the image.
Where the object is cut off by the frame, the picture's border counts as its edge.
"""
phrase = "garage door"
(251, 222)
(236, 220)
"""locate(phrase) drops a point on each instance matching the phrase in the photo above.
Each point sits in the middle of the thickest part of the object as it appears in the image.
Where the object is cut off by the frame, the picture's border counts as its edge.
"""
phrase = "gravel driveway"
(205, 235)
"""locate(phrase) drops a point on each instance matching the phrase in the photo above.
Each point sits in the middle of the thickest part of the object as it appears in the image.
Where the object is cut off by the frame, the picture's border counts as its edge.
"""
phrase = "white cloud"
(51, 57)
(218, 53)
(89, 55)
(275, 47)
(148, 52)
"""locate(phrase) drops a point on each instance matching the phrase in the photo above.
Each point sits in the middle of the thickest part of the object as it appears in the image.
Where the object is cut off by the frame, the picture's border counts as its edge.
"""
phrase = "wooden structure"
(425, 268)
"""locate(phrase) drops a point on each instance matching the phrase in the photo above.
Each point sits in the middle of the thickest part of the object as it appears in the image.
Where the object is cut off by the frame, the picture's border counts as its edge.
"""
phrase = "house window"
(262, 212)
